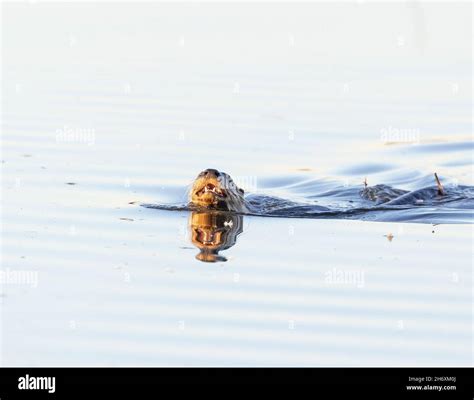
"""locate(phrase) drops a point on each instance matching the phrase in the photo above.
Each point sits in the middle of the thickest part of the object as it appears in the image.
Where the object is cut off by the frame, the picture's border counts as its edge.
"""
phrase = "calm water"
(298, 102)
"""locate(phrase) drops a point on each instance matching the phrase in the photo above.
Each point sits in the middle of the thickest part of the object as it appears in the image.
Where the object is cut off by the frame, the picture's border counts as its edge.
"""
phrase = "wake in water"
(432, 204)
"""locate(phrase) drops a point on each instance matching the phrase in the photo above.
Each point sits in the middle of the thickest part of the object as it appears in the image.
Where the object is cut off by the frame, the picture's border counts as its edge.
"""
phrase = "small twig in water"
(440, 186)
(365, 182)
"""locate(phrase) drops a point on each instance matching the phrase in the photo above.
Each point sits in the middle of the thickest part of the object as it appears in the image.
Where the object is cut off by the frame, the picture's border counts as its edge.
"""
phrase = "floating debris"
(126, 219)
(71, 183)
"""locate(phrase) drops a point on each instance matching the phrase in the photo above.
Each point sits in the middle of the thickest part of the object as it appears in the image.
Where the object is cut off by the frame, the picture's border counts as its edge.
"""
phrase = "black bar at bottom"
(136, 382)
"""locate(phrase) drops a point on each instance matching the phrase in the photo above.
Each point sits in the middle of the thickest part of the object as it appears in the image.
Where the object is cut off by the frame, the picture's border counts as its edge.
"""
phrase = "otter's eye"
(241, 191)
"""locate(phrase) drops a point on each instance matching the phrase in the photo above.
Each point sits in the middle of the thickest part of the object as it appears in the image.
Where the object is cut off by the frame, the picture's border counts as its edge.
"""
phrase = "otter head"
(216, 190)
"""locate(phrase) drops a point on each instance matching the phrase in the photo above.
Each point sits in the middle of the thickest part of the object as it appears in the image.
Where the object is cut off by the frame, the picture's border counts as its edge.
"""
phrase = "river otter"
(216, 190)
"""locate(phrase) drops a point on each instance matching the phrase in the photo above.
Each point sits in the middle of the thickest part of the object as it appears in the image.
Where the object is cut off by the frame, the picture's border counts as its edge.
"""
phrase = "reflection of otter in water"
(212, 232)
(217, 191)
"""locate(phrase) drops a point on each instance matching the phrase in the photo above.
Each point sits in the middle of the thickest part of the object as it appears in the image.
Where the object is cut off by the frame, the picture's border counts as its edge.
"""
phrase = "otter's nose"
(210, 172)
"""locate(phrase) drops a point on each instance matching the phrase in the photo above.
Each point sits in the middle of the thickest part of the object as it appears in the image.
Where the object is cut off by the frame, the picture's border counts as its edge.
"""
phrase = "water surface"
(103, 111)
